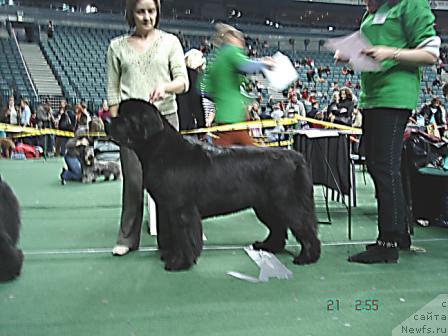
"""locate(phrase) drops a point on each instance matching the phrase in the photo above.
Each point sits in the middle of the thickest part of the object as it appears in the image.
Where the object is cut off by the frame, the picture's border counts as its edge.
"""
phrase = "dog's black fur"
(11, 258)
(190, 180)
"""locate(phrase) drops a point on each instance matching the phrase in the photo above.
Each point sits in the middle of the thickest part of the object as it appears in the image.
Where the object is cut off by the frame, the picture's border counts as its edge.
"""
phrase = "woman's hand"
(339, 59)
(158, 93)
(269, 62)
(380, 53)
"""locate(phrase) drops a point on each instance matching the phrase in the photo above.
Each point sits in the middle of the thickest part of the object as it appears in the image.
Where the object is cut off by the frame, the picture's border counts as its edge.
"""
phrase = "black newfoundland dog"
(11, 257)
(191, 180)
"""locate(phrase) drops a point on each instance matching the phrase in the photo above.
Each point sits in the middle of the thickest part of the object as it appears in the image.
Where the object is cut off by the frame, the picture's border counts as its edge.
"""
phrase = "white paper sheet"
(350, 47)
(282, 74)
(318, 133)
(270, 267)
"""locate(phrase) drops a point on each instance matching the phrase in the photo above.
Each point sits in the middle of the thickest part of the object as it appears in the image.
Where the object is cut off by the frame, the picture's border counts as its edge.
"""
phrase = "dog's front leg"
(185, 237)
(164, 233)
(276, 240)
(11, 259)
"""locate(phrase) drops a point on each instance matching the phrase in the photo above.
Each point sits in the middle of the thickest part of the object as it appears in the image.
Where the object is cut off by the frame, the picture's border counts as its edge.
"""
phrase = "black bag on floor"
(428, 191)
(426, 150)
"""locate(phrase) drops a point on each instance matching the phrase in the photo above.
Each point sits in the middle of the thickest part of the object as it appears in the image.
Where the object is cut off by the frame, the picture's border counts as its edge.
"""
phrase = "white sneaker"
(120, 250)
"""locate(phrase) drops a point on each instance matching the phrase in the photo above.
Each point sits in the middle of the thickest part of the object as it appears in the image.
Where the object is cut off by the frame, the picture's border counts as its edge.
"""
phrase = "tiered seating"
(12, 71)
(325, 58)
(78, 59)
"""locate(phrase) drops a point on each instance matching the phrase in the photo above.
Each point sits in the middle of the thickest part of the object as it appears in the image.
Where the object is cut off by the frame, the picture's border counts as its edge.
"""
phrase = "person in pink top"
(104, 112)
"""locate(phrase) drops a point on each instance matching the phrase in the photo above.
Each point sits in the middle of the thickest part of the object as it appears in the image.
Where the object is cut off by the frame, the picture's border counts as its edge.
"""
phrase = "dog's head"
(136, 123)
(89, 156)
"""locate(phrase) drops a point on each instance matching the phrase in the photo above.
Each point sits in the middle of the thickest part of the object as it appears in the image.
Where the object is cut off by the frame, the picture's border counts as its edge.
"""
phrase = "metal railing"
(24, 64)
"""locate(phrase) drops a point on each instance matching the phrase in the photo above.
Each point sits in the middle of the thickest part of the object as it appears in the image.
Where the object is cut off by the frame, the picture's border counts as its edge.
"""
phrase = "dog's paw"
(268, 246)
(177, 263)
(307, 258)
(302, 260)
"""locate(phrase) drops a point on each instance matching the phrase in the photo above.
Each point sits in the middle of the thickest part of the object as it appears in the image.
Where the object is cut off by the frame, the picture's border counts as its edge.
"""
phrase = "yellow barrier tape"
(269, 123)
(29, 131)
(242, 126)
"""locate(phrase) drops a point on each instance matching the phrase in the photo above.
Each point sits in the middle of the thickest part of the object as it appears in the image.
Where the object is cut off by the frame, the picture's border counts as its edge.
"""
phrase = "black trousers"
(383, 130)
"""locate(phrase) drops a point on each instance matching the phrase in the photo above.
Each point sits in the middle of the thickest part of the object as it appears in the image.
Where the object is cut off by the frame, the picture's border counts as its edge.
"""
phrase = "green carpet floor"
(66, 289)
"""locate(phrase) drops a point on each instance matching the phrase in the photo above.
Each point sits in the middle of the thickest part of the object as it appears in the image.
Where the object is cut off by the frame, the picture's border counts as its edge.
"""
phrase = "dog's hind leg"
(275, 241)
(304, 230)
(186, 238)
(302, 218)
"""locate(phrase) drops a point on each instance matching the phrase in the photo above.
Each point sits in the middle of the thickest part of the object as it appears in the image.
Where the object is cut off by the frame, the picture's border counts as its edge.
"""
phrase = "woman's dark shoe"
(381, 252)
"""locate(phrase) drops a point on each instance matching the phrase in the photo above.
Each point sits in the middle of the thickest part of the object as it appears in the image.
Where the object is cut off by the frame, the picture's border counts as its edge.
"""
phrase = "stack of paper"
(283, 73)
(350, 47)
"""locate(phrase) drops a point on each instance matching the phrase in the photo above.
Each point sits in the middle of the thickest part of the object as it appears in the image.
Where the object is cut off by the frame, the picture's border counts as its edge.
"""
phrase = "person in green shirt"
(403, 38)
(223, 80)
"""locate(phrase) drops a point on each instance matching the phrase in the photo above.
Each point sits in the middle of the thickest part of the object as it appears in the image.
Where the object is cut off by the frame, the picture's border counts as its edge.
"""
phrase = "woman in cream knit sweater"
(148, 64)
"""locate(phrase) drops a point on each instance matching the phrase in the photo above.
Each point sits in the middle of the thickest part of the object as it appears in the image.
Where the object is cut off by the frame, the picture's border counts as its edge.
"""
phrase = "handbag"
(426, 150)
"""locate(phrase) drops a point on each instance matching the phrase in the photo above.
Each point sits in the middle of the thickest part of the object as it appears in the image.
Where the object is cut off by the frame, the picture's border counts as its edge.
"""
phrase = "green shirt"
(223, 81)
(404, 25)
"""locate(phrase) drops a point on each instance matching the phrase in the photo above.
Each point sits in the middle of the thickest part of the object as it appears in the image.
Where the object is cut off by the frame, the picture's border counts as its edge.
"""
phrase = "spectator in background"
(85, 110)
(25, 114)
(104, 113)
(310, 73)
(11, 113)
(314, 112)
(343, 112)
(33, 119)
(264, 114)
(50, 29)
(253, 112)
(190, 104)
(333, 108)
(434, 114)
(305, 94)
(437, 81)
(45, 119)
(334, 86)
(295, 107)
(81, 117)
(65, 122)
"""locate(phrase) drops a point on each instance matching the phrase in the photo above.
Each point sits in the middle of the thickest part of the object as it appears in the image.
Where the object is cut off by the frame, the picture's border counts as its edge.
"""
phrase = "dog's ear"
(144, 117)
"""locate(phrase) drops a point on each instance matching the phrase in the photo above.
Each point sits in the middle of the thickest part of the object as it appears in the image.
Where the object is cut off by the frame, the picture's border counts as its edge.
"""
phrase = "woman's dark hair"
(348, 93)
